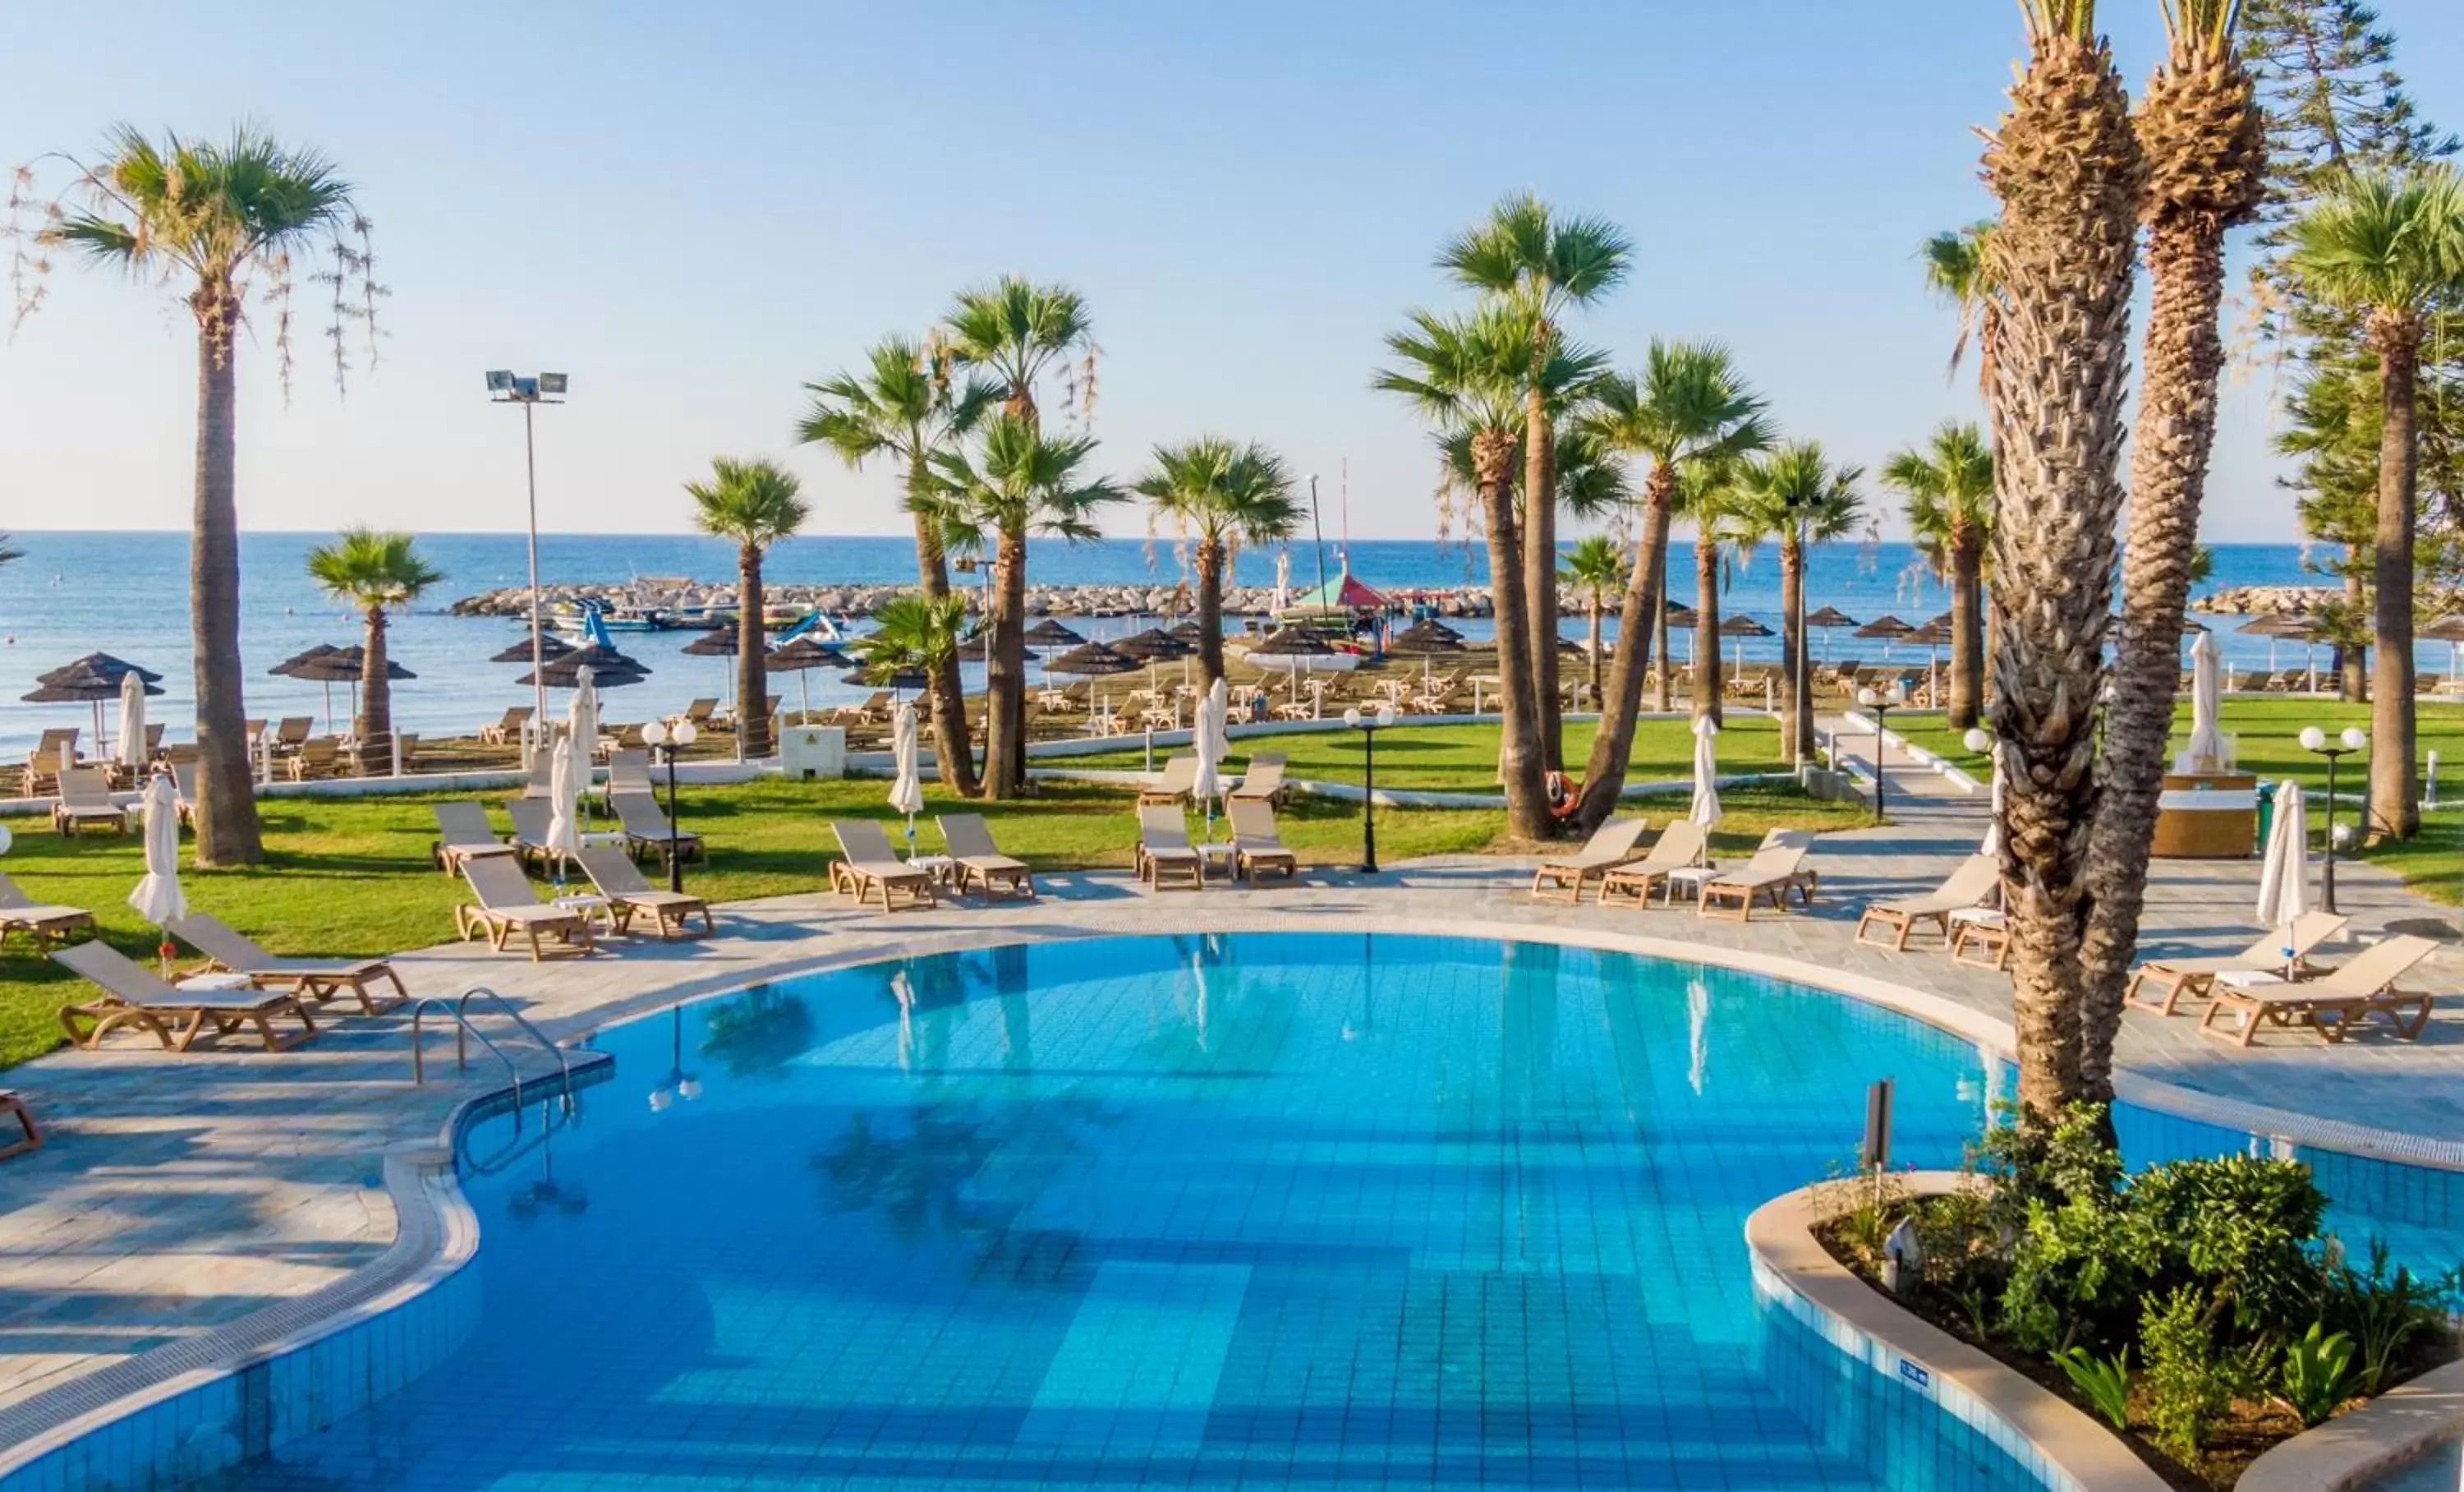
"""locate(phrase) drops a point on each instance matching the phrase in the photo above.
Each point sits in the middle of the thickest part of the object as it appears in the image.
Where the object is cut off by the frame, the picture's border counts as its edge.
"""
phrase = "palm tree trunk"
(375, 725)
(1706, 626)
(1594, 652)
(1005, 675)
(227, 823)
(2394, 812)
(1797, 718)
(1966, 701)
(2353, 664)
(1662, 689)
(752, 679)
(1519, 760)
(1613, 744)
(1208, 562)
(954, 755)
(1540, 575)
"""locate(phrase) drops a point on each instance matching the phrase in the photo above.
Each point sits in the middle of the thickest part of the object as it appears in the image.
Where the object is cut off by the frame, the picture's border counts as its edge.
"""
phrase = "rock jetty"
(2267, 600)
(1087, 600)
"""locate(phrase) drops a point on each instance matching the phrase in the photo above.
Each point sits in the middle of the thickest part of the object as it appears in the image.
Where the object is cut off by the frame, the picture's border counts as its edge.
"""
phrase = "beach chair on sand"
(14, 1108)
(508, 906)
(134, 995)
(1776, 869)
(649, 831)
(1257, 844)
(1164, 853)
(2160, 983)
(46, 922)
(85, 798)
(1179, 774)
(463, 832)
(628, 895)
(1610, 846)
(1978, 878)
(868, 864)
(507, 730)
(979, 862)
(1264, 778)
(2332, 1004)
(319, 979)
(1679, 845)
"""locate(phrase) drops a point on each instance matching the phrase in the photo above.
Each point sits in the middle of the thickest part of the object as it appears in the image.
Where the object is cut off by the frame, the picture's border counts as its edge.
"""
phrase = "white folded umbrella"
(158, 896)
(906, 791)
(132, 720)
(2284, 874)
(1706, 772)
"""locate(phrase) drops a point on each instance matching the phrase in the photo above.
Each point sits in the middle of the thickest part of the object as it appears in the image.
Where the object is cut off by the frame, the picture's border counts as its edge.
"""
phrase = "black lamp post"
(1882, 702)
(1369, 726)
(2353, 740)
(668, 742)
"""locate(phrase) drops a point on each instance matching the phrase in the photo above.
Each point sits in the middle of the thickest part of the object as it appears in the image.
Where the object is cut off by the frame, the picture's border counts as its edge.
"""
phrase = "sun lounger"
(648, 828)
(85, 798)
(14, 1108)
(319, 979)
(532, 818)
(507, 904)
(1257, 844)
(1679, 846)
(1262, 779)
(1776, 869)
(1179, 774)
(979, 862)
(46, 922)
(316, 756)
(1610, 845)
(463, 832)
(1980, 938)
(292, 731)
(58, 744)
(868, 864)
(184, 790)
(871, 712)
(2166, 981)
(1977, 880)
(1164, 853)
(621, 882)
(134, 995)
(629, 772)
(2332, 1004)
(540, 783)
(700, 711)
(508, 729)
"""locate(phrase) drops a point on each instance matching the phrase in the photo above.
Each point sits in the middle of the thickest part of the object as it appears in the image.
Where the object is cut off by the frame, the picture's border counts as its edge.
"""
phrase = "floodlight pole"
(509, 389)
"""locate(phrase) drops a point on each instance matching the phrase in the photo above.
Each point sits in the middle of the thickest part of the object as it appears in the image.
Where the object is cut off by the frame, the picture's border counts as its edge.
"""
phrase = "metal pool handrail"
(463, 1028)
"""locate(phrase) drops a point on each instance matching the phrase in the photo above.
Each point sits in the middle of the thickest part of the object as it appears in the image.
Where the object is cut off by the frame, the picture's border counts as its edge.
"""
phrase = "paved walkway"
(182, 1192)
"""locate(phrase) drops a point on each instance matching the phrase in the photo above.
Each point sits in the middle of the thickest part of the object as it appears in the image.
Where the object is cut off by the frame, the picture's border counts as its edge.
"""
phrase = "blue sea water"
(126, 594)
(1293, 1211)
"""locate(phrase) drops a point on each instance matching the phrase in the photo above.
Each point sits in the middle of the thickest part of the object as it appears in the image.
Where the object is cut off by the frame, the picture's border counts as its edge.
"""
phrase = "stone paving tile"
(182, 1192)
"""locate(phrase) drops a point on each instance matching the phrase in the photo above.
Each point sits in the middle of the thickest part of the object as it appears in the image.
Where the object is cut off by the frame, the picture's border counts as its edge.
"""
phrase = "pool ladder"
(464, 1030)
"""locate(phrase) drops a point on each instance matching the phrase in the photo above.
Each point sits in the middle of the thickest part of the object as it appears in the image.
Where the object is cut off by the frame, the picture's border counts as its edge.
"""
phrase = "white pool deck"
(179, 1193)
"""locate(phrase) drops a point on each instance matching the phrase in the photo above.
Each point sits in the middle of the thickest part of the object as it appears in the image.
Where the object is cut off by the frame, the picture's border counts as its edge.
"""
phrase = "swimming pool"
(1284, 1209)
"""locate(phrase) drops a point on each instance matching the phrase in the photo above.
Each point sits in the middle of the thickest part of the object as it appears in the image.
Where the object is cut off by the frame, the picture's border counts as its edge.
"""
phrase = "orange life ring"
(1565, 794)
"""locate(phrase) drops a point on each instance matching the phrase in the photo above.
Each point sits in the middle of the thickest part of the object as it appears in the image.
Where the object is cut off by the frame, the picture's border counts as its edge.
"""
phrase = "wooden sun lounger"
(1679, 845)
(979, 862)
(1976, 880)
(2334, 1003)
(647, 830)
(46, 922)
(319, 979)
(134, 995)
(85, 798)
(1776, 869)
(14, 1108)
(507, 904)
(508, 729)
(463, 832)
(2168, 981)
(1610, 845)
(868, 864)
(532, 819)
(1257, 844)
(629, 893)
(1164, 853)
(1264, 778)
(1174, 783)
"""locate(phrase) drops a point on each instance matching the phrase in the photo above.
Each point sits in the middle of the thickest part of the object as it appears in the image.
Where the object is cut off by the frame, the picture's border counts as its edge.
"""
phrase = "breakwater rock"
(2267, 600)
(683, 599)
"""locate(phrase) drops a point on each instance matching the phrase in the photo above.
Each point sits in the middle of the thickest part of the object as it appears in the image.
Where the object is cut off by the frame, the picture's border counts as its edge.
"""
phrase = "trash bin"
(2266, 813)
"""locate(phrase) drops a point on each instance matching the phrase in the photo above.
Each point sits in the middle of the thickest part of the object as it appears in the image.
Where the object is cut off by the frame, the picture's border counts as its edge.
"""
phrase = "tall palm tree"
(217, 219)
(2386, 247)
(1688, 403)
(2066, 167)
(1595, 571)
(908, 404)
(1949, 486)
(756, 503)
(1709, 497)
(913, 630)
(1543, 265)
(1466, 375)
(2205, 140)
(1959, 271)
(1796, 496)
(1016, 483)
(375, 572)
(1017, 331)
(1220, 496)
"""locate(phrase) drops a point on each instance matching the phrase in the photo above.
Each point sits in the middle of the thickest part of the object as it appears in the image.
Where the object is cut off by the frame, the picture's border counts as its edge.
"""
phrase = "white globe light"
(1352, 717)
(1385, 716)
(655, 733)
(684, 733)
(660, 1097)
(2313, 738)
(1867, 697)
(1977, 739)
(689, 1089)
(2354, 737)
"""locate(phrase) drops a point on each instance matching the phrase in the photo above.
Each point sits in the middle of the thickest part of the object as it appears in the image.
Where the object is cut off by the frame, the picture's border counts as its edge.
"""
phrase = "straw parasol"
(2448, 630)
(100, 663)
(719, 641)
(1425, 639)
(1050, 634)
(1091, 661)
(1740, 626)
(1828, 620)
(93, 680)
(2276, 626)
(1296, 650)
(1154, 646)
(551, 646)
(799, 657)
(609, 669)
(1885, 629)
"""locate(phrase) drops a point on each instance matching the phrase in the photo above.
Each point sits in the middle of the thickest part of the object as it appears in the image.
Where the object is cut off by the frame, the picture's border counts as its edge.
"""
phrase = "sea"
(126, 594)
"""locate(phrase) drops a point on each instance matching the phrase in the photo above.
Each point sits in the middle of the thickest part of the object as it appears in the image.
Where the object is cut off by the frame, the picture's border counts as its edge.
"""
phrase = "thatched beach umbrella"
(609, 669)
(94, 680)
(1049, 635)
(1885, 629)
(1299, 650)
(718, 642)
(1828, 620)
(1425, 639)
(799, 657)
(1154, 646)
(1740, 626)
(2276, 625)
(551, 646)
(2448, 630)
(1091, 661)
(330, 666)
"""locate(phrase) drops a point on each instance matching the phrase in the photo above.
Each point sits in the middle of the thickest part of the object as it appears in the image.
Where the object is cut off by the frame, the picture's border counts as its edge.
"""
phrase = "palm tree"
(1797, 497)
(1689, 402)
(913, 630)
(1709, 498)
(1525, 255)
(1595, 570)
(2387, 247)
(1948, 485)
(1017, 483)
(2205, 140)
(10, 551)
(2066, 167)
(1016, 331)
(1959, 270)
(218, 219)
(1220, 496)
(907, 404)
(375, 572)
(1466, 375)
(756, 503)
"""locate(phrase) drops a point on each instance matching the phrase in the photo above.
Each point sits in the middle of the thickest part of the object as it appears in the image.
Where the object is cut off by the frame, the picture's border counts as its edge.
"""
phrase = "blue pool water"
(1274, 1210)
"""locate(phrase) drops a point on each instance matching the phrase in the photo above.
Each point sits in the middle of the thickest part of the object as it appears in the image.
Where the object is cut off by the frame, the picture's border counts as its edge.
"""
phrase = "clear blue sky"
(694, 210)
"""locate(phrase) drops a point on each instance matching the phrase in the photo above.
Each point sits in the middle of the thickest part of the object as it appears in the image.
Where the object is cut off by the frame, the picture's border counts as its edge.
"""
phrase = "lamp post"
(506, 386)
(1882, 702)
(678, 1083)
(2353, 740)
(668, 742)
(1369, 726)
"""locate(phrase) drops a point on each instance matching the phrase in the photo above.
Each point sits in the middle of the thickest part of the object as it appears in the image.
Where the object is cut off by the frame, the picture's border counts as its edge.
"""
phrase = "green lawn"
(1464, 758)
(352, 876)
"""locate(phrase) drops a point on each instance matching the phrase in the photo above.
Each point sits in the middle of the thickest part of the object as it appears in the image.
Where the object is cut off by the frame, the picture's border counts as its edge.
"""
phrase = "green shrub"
(2077, 1270)
(2318, 1374)
(2241, 1229)
(2102, 1381)
(2384, 1311)
(2185, 1392)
